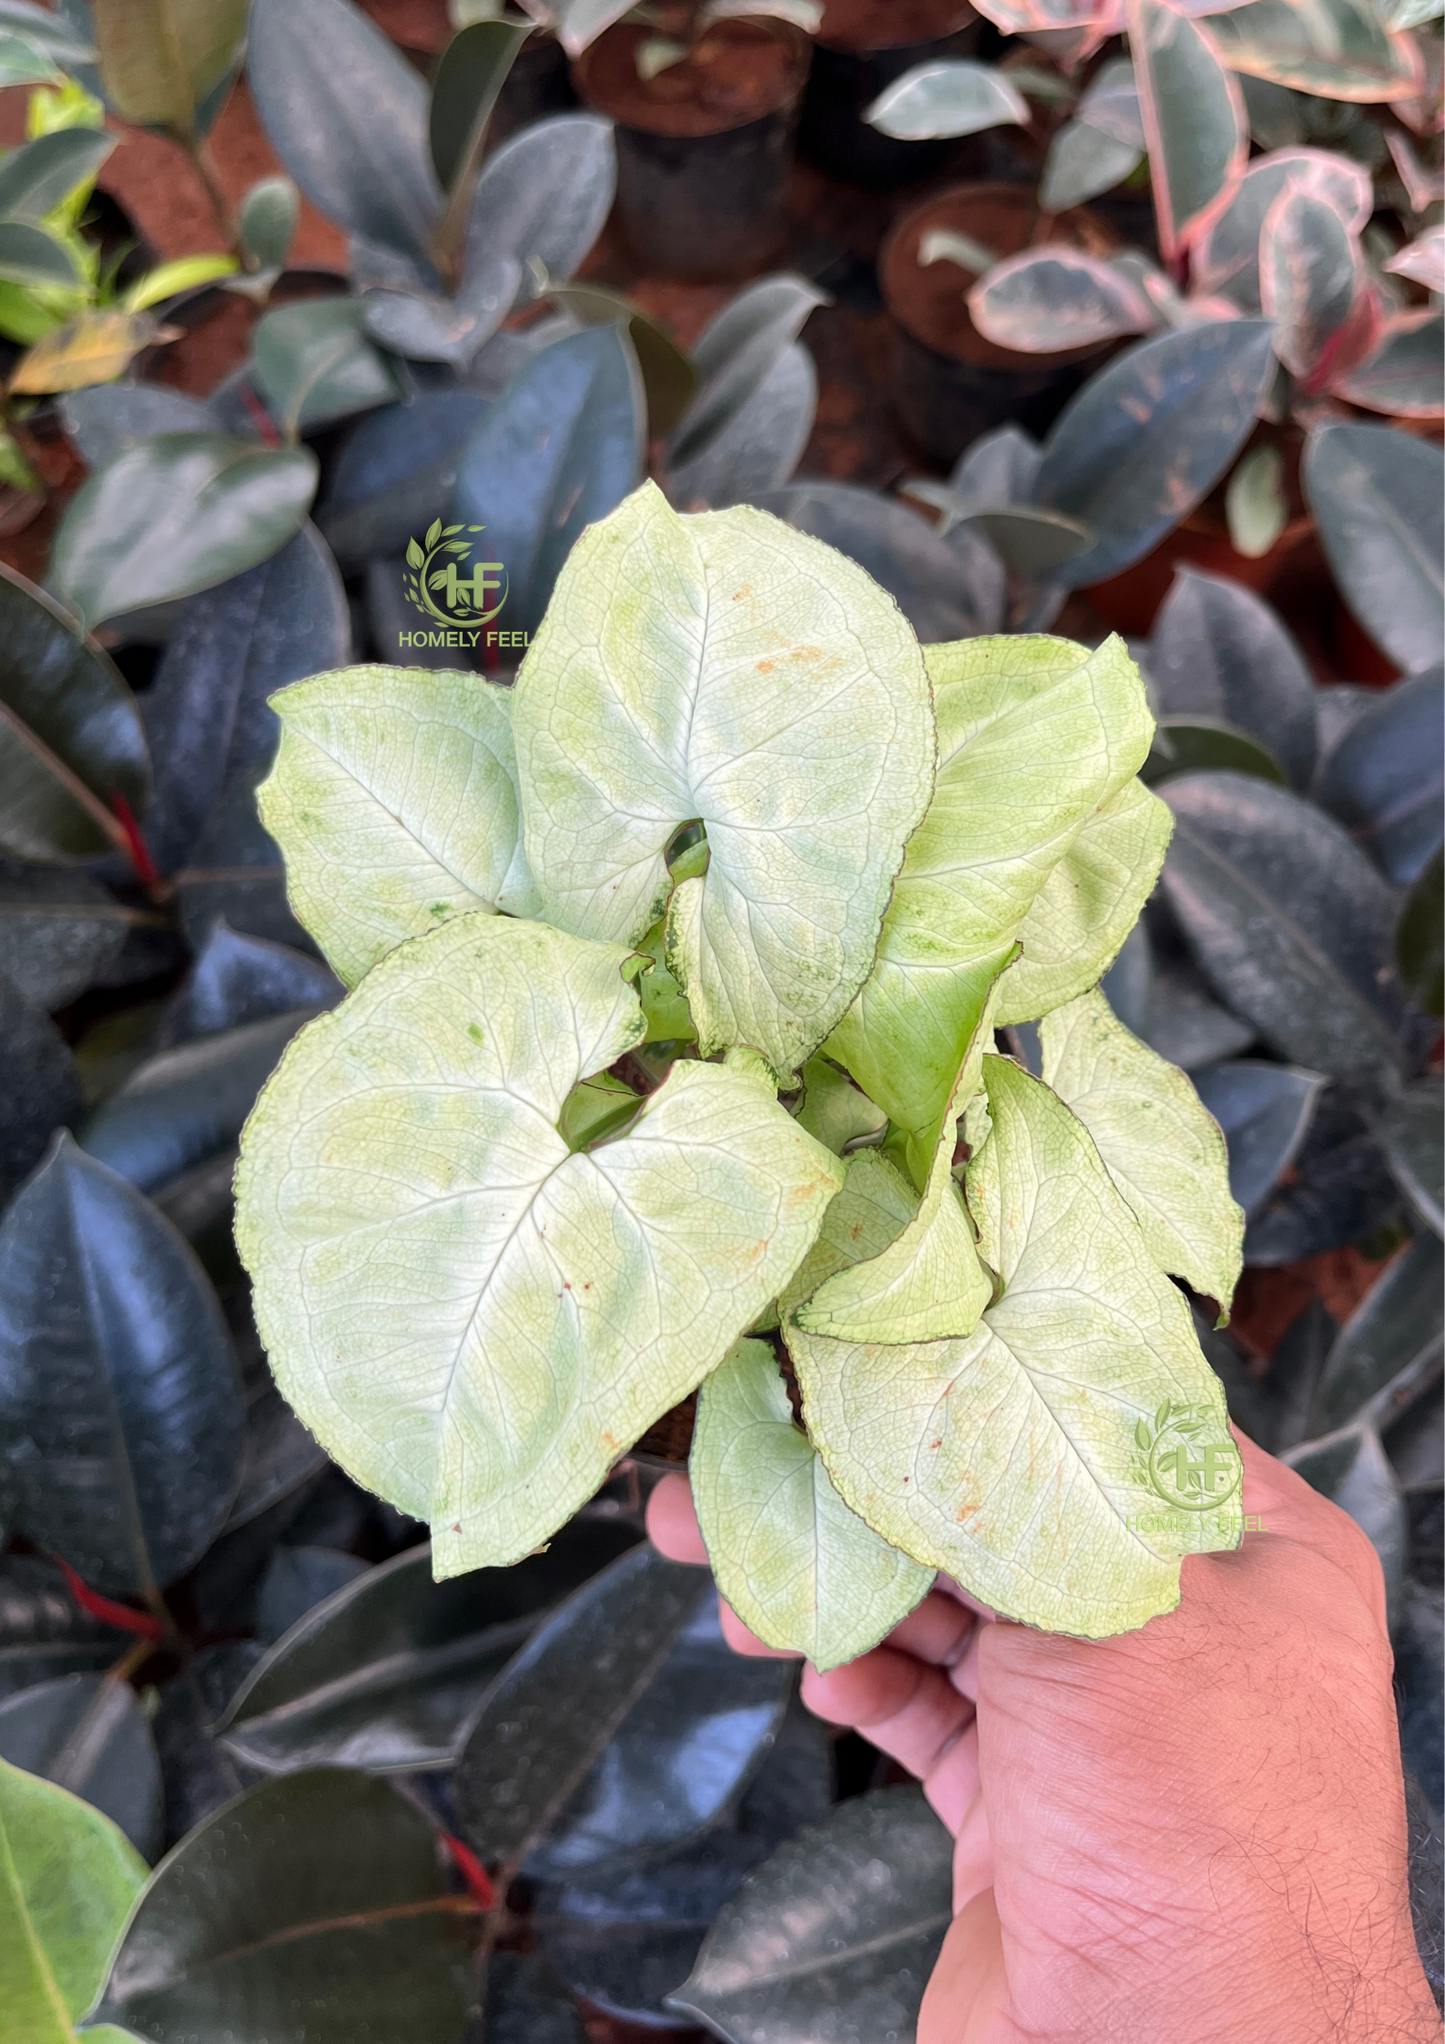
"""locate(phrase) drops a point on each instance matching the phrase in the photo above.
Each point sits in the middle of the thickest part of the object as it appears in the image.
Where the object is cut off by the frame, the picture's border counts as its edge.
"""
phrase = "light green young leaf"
(1034, 735)
(473, 1319)
(1160, 1145)
(725, 668)
(394, 800)
(1088, 905)
(68, 1878)
(928, 1284)
(800, 1569)
(1010, 1459)
(874, 1207)
(834, 1110)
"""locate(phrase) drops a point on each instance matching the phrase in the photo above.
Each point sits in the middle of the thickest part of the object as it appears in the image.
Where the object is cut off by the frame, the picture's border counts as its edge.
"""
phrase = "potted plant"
(860, 48)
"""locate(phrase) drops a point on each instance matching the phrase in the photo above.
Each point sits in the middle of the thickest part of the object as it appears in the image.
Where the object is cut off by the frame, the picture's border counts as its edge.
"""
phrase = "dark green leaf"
(1265, 1112)
(1418, 1675)
(1293, 1377)
(174, 515)
(41, 1089)
(207, 712)
(668, 377)
(1353, 1471)
(1386, 777)
(1339, 1192)
(835, 1935)
(760, 446)
(1220, 654)
(235, 871)
(525, 2003)
(278, 1458)
(236, 980)
(999, 469)
(30, 256)
(267, 221)
(43, 1631)
(1376, 495)
(1147, 437)
(736, 353)
(70, 733)
(199, 1777)
(297, 1579)
(58, 931)
(920, 571)
(1184, 1022)
(386, 1674)
(1393, 1337)
(1288, 919)
(1411, 1129)
(347, 116)
(118, 1400)
(1420, 939)
(88, 1734)
(109, 417)
(185, 1104)
(472, 71)
(544, 196)
(1184, 745)
(314, 364)
(560, 449)
(532, 1753)
(35, 177)
(320, 1902)
(435, 329)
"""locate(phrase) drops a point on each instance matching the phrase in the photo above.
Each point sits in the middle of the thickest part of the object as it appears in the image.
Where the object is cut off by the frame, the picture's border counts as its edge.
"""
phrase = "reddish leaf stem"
(479, 1882)
(119, 1615)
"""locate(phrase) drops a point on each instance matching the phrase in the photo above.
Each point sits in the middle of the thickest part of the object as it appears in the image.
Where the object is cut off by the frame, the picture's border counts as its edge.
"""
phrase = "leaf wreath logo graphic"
(438, 582)
(1187, 1458)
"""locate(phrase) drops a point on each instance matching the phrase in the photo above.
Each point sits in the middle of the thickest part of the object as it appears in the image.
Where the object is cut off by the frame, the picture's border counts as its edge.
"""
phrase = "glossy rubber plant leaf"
(89, 1734)
(1419, 945)
(1120, 458)
(1193, 118)
(320, 1900)
(386, 1673)
(1411, 1132)
(558, 451)
(106, 419)
(1311, 273)
(43, 1086)
(975, 866)
(669, 378)
(1335, 49)
(1402, 374)
(176, 514)
(472, 71)
(1422, 259)
(1220, 652)
(1265, 1111)
(544, 196)
(58, 931)
(297, 1579)
(1385, 778)
(396, 467)
(771, 660)
(1100, 146)
(33, 258)
(207, 712)
(947, 96)
(579, 1752)
(313, 364)
(1394, 1334)
(1091, 1543)
(71, 738)
(632, 1268)
(758, 447)
(1289, 921)
(44, 1633)
(800, 1569)
(1160, 1145)
(1225, 256)
(835, 1935)
(1377, 497)
(266, 223)
(347, 115)
(394, 800)
(122, 1416)
(1184, 745)
(734, 356)
(238, 979)
(162, 59)
(68, 1879)
(39, 174)
(526, 2002)
(1050, 298)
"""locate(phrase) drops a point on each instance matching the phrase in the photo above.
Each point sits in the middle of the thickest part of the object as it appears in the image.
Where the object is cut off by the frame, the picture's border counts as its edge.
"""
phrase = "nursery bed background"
(1106, 319)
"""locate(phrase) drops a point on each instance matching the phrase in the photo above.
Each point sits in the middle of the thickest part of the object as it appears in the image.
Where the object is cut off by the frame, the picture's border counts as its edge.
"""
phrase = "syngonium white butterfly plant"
(669, 1062)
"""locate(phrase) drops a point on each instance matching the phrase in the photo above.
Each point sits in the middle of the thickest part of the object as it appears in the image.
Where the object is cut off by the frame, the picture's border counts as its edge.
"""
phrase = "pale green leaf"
(1034, 734)
(874, 1207)
(1255, 504)
(928, 1284)
(1010, 1459)
(834, 1110)
(1160, 1145)
(394, 800)
(474, 1320)
(68, 1878)
(1088, 905)
(724, 668)
(800, 1569)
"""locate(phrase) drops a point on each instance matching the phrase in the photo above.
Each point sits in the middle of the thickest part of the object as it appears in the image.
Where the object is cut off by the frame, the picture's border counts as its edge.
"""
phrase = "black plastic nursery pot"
(705, 146)
(861, 47)
(538, 85)
(950, 384)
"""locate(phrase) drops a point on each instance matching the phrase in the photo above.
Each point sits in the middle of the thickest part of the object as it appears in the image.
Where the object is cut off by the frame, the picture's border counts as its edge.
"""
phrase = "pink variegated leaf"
(1053, 298)
(1224, 259)
(1404, 373)
(1423, 260)
(1042, 17)
(1334, 49)
(1194, 120)
(1311, 274)
(1423, 186)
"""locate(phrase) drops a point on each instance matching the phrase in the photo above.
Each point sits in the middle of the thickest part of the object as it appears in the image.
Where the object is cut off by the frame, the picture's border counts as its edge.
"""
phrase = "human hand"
(1196, 1826)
